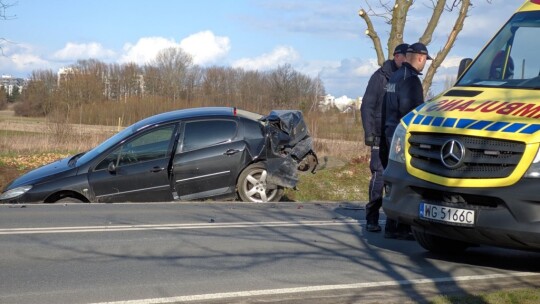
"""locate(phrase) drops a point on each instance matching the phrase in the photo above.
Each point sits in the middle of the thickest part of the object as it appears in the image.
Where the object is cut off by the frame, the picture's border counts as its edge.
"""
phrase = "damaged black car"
(189, 154)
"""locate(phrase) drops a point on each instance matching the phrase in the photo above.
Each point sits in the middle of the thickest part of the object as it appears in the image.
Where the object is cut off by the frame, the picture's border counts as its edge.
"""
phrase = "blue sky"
(324, 38)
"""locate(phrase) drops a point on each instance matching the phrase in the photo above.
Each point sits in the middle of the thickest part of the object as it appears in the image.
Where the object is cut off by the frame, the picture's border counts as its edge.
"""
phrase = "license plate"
(450, 215)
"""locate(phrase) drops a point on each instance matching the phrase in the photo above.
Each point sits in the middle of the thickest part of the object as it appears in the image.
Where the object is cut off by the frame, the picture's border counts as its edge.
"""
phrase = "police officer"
(371, 120)
(404, 92)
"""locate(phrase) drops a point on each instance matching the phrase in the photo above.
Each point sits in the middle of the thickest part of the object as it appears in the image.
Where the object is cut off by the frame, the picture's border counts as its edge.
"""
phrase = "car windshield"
(106, 144)
(511, 59)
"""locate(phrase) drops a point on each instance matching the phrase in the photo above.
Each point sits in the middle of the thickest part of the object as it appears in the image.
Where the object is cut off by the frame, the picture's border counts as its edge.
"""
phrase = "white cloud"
(205, 47)
(145, 50)
(28, 61)
(313, 68)
(451, 62)
(349, 77)
(21, 58)
(280, 55)
(366, 68)
(75, 51)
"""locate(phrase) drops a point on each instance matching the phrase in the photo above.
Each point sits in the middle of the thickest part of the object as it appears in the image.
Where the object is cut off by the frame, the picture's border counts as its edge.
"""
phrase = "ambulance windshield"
(511, 59)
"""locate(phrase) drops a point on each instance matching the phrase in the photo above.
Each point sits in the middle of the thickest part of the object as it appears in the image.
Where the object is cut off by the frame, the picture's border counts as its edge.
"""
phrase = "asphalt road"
(230, 253)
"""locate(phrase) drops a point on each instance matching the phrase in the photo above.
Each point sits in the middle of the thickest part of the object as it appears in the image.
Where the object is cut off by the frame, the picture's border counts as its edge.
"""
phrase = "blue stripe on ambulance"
(471, 124)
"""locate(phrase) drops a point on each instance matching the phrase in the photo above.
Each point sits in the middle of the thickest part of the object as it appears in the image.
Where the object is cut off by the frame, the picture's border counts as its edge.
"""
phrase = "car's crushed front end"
(289, 147)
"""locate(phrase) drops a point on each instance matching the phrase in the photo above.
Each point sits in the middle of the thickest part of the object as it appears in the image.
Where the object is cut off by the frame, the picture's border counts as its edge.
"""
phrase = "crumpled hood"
(41, 173)
(497, 113)
(290, 142)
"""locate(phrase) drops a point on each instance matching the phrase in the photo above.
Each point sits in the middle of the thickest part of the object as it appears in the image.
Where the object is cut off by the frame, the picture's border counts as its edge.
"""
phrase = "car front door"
(137, 170)
(209, 157)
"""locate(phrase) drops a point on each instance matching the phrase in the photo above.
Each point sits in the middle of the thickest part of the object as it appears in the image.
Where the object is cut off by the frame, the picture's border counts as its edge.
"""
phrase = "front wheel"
(252, 187)
(68, 200)
(438, 244)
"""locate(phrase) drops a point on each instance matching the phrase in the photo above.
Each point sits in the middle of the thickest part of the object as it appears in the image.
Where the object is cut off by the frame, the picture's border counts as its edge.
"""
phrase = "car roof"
(194, 113)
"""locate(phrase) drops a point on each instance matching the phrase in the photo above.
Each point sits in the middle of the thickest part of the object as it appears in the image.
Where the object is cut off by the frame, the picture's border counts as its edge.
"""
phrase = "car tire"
(251, 185)
(68, 200)
(438, 244)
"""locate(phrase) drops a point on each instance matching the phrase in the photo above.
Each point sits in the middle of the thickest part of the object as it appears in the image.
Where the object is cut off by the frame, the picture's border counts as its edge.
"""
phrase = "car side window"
(204, 133)
(253, 129)
(145, 147)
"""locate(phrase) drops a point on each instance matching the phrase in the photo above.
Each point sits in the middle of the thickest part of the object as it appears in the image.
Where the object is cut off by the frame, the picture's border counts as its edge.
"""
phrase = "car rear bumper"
(506, 217)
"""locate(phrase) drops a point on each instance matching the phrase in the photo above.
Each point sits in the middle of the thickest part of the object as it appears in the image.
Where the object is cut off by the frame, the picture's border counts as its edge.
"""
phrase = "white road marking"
(12, 231)
(269, 292)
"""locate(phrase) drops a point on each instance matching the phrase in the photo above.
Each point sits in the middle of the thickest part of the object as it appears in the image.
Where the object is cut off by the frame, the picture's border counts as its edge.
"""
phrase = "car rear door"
(136, 170)
(210, 154)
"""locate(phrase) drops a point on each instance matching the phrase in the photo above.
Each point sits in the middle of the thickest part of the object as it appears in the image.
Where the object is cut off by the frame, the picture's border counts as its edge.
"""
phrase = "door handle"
(156, 169)
(231, 151)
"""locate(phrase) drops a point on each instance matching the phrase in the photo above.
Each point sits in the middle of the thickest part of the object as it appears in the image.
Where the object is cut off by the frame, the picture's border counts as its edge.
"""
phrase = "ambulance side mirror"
(463, 65)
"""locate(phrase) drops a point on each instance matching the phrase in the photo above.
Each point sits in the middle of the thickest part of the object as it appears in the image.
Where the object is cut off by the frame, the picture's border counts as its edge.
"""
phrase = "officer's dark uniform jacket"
(404, 92)
(372, 101)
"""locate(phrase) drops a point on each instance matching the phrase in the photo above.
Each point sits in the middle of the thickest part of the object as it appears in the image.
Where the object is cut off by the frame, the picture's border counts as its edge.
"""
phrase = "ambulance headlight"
(397, 148)
(534, 169)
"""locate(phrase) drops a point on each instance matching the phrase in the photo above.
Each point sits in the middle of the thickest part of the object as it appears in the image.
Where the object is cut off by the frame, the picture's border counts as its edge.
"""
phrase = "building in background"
(343, 104)
(12, 84)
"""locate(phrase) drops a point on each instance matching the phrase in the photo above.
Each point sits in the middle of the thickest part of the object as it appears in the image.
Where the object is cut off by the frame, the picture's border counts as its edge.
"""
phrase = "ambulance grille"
(482, 157)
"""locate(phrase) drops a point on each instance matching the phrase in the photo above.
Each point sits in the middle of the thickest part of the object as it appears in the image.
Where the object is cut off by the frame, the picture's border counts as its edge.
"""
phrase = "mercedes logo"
(452, 154)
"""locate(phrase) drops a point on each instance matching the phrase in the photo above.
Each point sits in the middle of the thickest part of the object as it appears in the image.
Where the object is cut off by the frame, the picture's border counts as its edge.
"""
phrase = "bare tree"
(4, 16)
(173, 65)
(396, 17)
(3, 8)
(282, 84)
(3, 98)
(39, 97)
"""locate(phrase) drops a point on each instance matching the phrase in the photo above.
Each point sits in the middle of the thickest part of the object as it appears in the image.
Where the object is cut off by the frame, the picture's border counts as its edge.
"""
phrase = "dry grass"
(20, 135)
(345, 150)
(30, 143)
(335, 182)
(336, 135)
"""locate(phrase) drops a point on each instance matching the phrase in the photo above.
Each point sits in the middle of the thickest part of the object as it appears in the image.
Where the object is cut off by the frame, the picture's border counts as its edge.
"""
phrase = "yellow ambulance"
(464, 168)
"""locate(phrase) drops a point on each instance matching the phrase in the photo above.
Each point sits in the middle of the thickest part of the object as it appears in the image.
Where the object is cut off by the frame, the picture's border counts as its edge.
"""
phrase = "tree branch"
(432, 24)
(373, 35)
(3, 8)
(441, 55)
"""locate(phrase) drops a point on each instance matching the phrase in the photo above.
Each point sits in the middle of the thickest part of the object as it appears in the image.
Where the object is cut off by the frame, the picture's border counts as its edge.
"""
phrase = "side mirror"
(111, 168)
(463, 65)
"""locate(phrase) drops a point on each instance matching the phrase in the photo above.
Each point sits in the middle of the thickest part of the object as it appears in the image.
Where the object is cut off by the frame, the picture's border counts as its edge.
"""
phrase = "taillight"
(535, 1)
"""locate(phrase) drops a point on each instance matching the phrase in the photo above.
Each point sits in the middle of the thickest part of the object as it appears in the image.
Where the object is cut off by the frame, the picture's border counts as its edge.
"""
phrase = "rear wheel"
(252, 187)
(438, 244)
